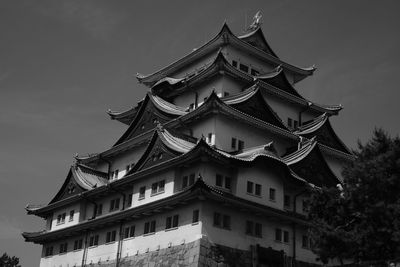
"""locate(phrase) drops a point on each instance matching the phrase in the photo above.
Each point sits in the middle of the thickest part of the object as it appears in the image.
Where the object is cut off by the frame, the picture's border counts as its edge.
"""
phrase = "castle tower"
(213, 168)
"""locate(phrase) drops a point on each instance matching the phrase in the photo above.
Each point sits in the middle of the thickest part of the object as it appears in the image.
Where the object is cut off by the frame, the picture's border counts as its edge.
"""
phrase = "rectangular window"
(168, 223)
(253, 228)
(249, 227)
(126, 232)
(61, 218)
(258, 230)
(233, 143)
(142, 192)
(128, 168)
(243, 67)
(129, 232)
(116, 174)
(258, 190)
(63, 248)
(228, 183)
(111, 175)
(154, 187)
(286, 236)
(191, 179)
(71, 215)
(111, 236)
(278, 234)
(226, 94)
(49, 251)
(195, 216)
(129, 202)
(295, 124)
(99, 209)
(184, 181)
(254, 72)
(272, 193)
(226, 222)
(149, 227)
(132, 231)
(241, 145)
(286, 201)
(158, 187)
(218, 180)
(305, 242)
(172, 222)
(114, 204)
(217, 219)
(289, 122)
(234, 63)
(78, 244)
(250, 187)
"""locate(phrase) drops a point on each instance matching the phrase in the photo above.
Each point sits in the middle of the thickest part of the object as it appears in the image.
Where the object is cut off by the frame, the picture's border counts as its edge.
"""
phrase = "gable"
(315, 170)
(326, 136)
(69, 188)
(146, 119)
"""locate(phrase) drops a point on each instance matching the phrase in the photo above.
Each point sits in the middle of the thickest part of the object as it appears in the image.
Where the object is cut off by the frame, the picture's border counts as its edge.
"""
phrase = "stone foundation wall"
(200, 253)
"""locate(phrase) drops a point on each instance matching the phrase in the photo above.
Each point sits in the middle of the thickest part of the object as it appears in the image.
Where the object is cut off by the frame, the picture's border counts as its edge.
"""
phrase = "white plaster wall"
(237, 238)
(203, 90)
(104, 251)
(168, 176)
(185, 232)
(67, 223)
(268, 177)
(286, 109)
(62, 260)
(226, 128)
(194, 66)
(105, 201)
(249, 60)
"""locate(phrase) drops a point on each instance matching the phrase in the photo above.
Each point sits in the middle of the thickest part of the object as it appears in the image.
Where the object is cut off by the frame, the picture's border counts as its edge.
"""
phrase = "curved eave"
(258, 34)
(158, 103)
(199, 190)
(213, 101)
(151, 79)
(313, 127)
(125, 116)
(330, 109)
(199, 150)
(218, 65)
(278, 78)
(336, 153)
(224, 36)
(254, 92)
(298, 156)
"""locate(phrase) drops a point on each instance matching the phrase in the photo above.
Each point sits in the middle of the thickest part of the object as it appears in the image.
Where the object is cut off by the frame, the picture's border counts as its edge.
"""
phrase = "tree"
(7, 261)
(360, 219)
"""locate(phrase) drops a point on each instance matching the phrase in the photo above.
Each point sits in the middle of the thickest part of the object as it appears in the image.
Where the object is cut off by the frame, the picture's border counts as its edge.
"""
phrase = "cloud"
(96, 19)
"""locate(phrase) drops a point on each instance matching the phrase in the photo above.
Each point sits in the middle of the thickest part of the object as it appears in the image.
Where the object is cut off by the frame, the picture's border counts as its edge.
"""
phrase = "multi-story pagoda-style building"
(213, 169)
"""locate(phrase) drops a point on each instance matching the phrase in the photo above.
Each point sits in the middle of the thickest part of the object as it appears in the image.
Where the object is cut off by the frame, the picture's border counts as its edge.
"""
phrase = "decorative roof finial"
(256, 21)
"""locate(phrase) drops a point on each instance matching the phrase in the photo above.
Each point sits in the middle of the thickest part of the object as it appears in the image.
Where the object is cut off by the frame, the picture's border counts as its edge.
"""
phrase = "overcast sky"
(64, 63)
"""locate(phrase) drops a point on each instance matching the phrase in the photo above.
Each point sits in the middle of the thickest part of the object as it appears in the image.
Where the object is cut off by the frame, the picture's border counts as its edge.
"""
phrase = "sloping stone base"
(200, 253)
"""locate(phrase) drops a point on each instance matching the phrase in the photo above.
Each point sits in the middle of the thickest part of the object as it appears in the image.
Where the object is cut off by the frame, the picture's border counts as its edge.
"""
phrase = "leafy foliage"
(7, 261)
(360, 220)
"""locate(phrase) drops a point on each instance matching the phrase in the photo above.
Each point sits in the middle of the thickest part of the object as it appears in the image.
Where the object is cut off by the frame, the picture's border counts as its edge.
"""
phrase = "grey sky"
(64, 63)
